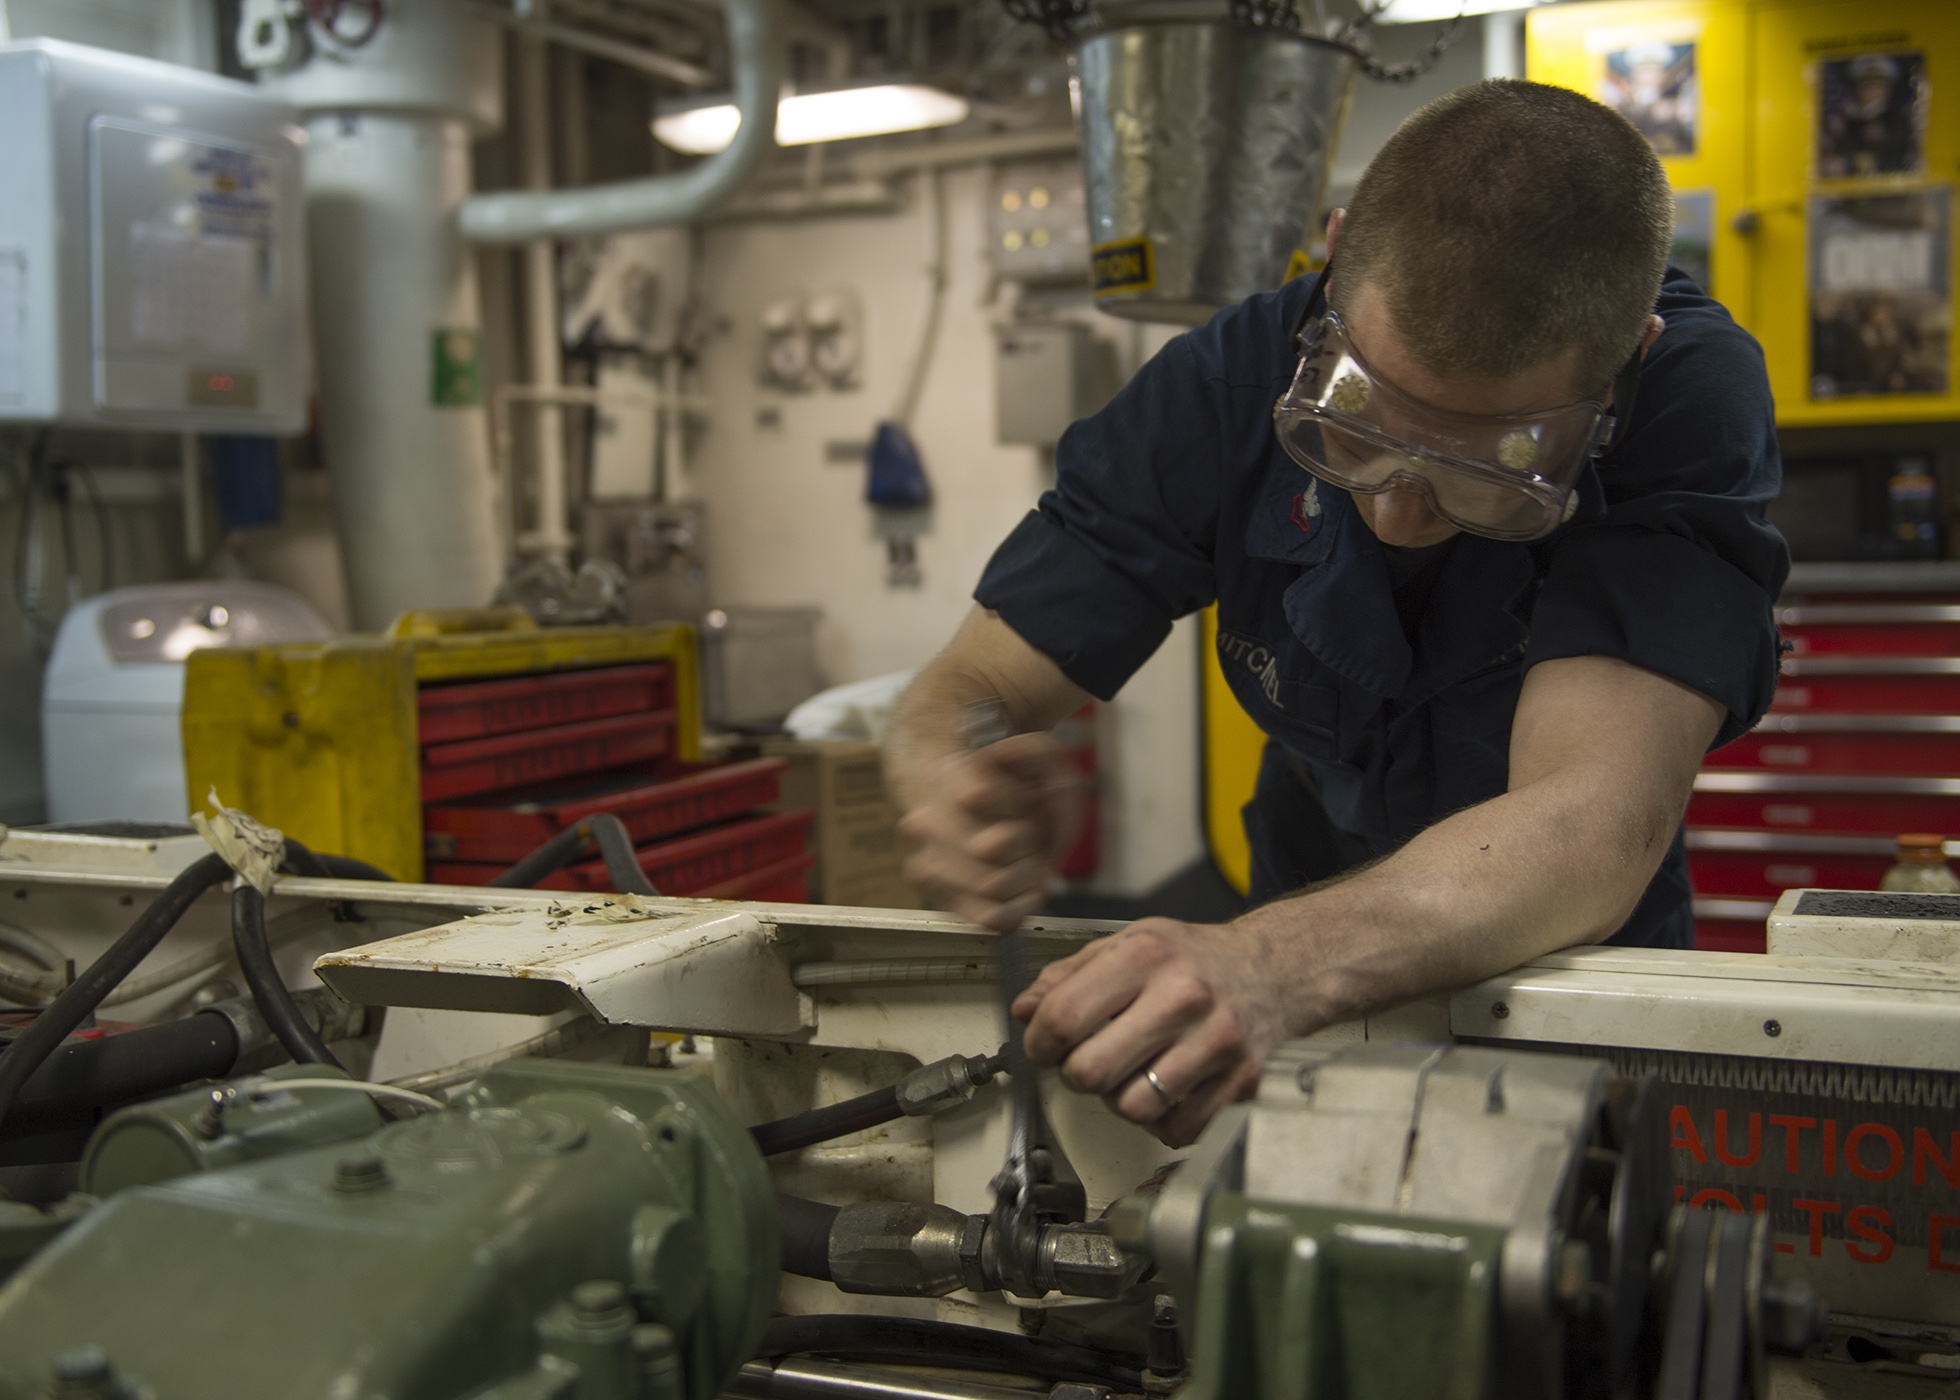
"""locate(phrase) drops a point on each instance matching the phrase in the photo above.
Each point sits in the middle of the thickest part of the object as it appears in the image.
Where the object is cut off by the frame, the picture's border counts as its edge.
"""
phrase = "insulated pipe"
(755, 55)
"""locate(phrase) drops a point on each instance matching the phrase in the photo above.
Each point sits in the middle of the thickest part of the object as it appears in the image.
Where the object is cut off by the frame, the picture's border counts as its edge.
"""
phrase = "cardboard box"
(859, 854)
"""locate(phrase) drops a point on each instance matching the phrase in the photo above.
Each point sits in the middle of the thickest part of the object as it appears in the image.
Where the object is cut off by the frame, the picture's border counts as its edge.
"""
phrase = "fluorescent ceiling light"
(810, 117)
(1418, 11)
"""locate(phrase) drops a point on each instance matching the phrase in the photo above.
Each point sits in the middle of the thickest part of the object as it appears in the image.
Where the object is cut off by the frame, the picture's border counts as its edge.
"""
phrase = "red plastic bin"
(476, 766)
(478, 709)
(689, 865)
(513, 825)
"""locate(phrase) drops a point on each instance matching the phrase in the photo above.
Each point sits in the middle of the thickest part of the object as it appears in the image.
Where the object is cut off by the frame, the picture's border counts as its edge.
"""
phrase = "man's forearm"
(985, 660)
(1543, 867)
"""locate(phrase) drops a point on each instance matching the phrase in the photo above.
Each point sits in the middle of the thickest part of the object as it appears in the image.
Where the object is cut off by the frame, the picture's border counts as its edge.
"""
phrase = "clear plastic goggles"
(1506, 478)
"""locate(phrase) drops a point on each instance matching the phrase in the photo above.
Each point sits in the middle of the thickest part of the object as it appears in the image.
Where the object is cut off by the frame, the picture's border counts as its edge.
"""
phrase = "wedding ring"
(1171, 1100)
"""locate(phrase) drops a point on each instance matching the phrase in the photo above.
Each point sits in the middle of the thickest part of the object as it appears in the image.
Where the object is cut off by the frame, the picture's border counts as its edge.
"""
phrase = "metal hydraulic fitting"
(1084, 1261)
(945, 1084)
(906, 1251)
(913, 1251)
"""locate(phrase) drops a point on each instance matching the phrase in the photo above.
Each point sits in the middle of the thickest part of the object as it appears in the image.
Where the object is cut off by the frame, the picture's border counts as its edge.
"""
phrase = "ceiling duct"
(1205, 151)
(1208, 129)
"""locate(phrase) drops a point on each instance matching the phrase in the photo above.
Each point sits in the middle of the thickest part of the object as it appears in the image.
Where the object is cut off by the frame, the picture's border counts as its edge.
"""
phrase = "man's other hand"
(993, 827)
(1198, 1005)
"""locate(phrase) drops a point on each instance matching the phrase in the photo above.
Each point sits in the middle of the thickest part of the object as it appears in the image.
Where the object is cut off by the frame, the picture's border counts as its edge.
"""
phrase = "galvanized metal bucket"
(1205, 151)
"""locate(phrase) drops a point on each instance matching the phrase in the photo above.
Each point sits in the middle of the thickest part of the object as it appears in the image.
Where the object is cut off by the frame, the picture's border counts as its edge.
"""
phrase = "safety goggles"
(1506, 478)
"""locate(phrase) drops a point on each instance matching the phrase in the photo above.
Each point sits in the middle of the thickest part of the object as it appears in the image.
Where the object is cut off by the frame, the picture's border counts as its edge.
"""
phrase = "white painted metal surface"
(1844, 1010)
(1917, 939)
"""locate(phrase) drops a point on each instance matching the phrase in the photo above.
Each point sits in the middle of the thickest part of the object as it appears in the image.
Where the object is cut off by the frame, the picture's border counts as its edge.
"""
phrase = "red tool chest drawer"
(1924, 685)
(472, 766)
(1779, 801)
(475, 709)
(1914, 745)
(693, 864)
(512, 825)
(1871, 629)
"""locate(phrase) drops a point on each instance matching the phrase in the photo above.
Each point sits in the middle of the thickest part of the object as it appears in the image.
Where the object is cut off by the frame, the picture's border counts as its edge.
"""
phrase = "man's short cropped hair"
(1506, 222)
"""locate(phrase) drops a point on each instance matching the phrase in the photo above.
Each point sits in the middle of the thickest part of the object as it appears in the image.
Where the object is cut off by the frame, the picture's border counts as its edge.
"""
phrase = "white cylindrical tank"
(396, 309)
(112, 744)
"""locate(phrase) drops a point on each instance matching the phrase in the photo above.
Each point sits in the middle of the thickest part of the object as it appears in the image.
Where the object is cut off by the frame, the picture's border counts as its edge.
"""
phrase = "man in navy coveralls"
(1482, 511)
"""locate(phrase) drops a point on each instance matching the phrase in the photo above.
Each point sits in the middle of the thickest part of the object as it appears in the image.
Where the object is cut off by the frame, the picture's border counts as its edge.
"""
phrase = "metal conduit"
(755, 54)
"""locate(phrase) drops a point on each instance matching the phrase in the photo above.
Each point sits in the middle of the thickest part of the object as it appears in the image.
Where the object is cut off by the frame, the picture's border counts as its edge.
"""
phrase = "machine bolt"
(210, 1120)
(1772, 1028)
(601, 1303)
(1163, 1369)
(364, 1173)
(85, 1374)
(1791, 1314)
(1499, 1010)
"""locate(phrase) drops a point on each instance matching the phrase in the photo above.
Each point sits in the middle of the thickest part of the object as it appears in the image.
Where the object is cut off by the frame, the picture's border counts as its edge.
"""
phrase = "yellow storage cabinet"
(319, 739)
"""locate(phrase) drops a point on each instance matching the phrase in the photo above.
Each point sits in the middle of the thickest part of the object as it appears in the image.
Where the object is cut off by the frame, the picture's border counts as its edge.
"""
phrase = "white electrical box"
(1047, 375)
(152, 254)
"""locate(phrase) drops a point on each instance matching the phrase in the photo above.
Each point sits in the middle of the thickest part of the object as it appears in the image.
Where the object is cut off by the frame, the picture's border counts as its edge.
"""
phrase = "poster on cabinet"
(1653, 83)
(1871, 115)
(1881, 293)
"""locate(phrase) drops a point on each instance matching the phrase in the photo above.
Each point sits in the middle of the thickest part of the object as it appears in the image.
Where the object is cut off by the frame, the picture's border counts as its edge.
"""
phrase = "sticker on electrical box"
(455, 372)
(1126, 266)
(1299, 265)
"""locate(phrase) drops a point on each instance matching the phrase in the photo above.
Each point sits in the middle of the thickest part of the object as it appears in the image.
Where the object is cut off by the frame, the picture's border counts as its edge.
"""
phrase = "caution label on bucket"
(1123, 266)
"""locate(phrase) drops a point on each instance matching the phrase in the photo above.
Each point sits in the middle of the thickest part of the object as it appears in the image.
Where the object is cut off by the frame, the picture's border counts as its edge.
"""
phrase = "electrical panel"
(152, 257)
(1048, 375)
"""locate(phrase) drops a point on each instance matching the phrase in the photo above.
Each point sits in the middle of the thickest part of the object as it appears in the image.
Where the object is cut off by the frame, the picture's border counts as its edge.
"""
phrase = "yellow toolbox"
(324, 739)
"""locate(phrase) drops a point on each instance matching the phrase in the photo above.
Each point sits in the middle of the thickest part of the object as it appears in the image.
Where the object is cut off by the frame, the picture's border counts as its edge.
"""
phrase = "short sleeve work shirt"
(1178, 495)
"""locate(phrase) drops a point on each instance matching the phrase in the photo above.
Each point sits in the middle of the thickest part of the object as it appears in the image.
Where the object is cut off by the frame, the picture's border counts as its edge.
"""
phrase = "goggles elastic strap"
(1625, 385)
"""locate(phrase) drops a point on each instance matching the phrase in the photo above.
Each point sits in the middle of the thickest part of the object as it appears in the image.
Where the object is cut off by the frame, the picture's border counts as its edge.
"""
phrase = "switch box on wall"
(1047, 376)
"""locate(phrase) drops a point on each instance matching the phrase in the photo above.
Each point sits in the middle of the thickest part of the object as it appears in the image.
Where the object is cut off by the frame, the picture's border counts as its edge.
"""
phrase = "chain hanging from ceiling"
(1061, 18)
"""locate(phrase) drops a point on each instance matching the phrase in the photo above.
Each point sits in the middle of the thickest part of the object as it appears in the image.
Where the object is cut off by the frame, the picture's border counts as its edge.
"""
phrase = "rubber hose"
(831, 1121)
(868, 1337)
(605, 831)
(325, 867)
(806, 1235)
(85, 1075)
(49, 1029)
(275, 1003)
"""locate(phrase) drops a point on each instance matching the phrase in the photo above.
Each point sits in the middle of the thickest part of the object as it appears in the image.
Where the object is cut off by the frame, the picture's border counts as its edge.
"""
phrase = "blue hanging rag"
(245, 480)
(897, 479)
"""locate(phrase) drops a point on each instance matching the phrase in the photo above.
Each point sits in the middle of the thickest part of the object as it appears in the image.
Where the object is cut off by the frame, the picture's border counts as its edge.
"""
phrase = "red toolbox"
(1862, 743)
(693, 864)
(505, 829)
(785, 882)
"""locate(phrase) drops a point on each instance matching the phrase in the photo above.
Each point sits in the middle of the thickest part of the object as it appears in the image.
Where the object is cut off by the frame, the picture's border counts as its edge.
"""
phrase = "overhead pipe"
(756, 59)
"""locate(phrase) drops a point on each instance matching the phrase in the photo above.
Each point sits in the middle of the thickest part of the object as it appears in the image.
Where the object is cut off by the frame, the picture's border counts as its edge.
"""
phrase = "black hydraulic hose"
(325, 867)
(275, 1003)
(604, 831)
(85, 1075)
(61, 1016)
(919, 1341)
(831, 1121)
(806, 1235)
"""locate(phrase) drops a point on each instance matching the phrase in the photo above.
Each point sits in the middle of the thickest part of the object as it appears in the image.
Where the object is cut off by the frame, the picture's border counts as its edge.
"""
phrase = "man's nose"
(1402, 515)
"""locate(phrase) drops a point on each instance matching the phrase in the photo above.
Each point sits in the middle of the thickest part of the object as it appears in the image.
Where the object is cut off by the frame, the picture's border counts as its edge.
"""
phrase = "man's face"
(1401, 515)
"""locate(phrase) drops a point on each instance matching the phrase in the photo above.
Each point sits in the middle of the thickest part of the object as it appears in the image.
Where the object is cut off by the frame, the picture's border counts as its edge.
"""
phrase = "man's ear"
(1655, 325)
(1334, 220)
